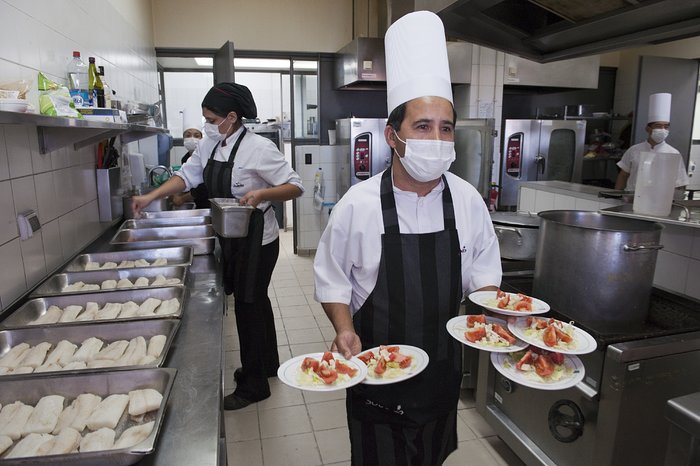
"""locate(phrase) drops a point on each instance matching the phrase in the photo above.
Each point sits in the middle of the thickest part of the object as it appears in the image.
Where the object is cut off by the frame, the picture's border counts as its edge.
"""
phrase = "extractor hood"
(549, 30)
(360, 65)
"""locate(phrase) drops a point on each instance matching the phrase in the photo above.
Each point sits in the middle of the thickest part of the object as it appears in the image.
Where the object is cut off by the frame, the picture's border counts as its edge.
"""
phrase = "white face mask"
(659, 135)
(190, 144)
(212, 131)
(427, 159)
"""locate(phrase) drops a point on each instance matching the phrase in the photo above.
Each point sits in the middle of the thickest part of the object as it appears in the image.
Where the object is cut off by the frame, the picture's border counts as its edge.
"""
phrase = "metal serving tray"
(202, 238)
(134, 224)
(55, 284)
(30, 391)
(230, 219)
(181, 255)
(76, 334)
(35, 308)
(177, 213)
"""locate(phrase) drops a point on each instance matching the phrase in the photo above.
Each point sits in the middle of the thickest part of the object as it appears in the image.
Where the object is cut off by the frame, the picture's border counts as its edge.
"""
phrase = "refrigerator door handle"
(540, 161)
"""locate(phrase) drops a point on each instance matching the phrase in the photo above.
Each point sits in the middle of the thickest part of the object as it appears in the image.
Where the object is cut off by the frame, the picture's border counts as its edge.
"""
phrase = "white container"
(656, 182)
(138, 169)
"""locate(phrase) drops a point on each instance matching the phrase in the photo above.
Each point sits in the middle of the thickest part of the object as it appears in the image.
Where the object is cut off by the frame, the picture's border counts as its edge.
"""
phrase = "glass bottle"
(96, 90)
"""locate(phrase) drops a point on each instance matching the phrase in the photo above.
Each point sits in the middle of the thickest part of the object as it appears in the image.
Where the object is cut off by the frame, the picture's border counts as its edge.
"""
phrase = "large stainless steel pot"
(596, 269)
(517, 234)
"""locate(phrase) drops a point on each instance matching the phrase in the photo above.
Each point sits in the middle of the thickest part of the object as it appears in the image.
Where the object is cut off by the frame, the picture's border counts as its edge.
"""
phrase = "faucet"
(160, 181)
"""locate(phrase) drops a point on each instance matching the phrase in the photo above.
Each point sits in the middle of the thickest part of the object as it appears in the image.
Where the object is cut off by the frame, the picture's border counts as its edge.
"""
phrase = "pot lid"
(520, 219)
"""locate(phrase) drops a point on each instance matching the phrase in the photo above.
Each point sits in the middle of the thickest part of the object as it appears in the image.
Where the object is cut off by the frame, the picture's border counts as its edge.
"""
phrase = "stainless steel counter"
(677, 216)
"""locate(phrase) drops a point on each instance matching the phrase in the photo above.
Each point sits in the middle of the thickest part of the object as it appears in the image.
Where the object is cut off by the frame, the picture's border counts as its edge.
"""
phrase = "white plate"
(290, 370)
(498, 360)
(585, 343)
(456, 327)
(420, 362)
(480, 297)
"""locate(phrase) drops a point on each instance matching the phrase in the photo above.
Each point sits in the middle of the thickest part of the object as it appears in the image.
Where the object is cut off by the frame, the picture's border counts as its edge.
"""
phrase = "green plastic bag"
(55, 99)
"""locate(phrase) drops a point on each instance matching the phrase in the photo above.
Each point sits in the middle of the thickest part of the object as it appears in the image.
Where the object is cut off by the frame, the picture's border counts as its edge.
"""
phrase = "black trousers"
(256, 332)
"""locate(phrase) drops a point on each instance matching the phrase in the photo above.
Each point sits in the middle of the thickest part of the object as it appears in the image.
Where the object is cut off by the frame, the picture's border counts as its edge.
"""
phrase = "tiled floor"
(298, 428)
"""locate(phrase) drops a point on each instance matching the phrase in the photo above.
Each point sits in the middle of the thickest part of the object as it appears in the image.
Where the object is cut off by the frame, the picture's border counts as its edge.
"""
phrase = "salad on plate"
(326, 370)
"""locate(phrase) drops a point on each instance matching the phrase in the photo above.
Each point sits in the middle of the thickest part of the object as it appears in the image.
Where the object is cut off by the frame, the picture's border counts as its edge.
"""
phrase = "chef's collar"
(437, 189)
(232, 139)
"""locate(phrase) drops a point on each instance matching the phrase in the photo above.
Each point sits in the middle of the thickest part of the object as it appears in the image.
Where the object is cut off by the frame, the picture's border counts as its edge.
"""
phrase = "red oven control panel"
(514, 150)
(362, 155)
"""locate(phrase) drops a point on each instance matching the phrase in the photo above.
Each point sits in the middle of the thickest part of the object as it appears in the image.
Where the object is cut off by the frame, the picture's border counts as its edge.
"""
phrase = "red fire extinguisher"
(493, 196)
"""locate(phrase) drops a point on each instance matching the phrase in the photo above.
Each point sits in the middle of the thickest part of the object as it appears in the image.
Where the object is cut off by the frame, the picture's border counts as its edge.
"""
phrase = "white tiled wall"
(41, 36)
(309, 221)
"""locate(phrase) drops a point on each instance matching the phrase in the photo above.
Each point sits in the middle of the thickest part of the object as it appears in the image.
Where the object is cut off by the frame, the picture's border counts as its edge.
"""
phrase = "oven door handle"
(587, 391)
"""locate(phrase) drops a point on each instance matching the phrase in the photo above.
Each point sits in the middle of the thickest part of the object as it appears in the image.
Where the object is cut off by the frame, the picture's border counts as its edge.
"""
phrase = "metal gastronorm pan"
(134, 224)
(181, 255)
(101, 384)
(35, 308)
(177, 213)
(55, 284)
(202, 238)
(76, 334)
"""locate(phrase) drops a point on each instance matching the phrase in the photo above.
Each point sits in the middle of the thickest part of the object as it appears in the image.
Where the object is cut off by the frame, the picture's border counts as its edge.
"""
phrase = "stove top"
(669, 314)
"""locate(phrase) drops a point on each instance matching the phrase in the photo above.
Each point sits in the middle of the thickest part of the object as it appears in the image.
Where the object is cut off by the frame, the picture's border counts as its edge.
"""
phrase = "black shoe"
(237, 374)
(233, 402)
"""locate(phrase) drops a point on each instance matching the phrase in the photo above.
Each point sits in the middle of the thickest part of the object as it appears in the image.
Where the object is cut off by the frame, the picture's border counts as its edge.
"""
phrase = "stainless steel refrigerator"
(539, 150)
(365, 153)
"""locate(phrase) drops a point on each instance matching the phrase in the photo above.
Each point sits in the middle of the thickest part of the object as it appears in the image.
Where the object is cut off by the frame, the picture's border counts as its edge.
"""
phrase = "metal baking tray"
(202, 238)
(55, 284)
(177, 213)
(181, 255)
(134, 224)
(78, 333)
(35, 308)
(101, 384)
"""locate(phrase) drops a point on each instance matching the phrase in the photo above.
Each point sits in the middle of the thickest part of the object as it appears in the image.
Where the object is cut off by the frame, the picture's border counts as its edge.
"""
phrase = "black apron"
(239, 255)
(418, 289)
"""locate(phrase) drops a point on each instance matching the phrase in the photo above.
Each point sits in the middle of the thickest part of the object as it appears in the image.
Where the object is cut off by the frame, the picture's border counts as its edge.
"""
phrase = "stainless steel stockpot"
(596, 269)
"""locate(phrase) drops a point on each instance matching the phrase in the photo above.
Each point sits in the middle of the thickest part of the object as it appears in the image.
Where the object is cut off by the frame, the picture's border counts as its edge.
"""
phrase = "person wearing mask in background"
(190, 139)
(658, 124)
(235, 163)
(399, 253)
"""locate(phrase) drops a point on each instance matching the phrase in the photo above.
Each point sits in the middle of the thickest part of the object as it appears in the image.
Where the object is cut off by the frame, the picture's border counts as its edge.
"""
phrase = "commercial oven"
(539, 150)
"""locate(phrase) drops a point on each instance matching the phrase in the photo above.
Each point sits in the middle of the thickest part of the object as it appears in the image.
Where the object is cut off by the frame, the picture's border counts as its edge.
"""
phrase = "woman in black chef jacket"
(235, 163)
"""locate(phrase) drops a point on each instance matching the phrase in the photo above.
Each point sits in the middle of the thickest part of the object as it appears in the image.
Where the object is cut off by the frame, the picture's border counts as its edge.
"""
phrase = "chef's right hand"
(347, 343)
(138, 203)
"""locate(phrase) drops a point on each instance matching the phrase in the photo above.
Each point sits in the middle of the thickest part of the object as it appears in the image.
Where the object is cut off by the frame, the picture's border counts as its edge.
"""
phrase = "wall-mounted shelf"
(57, 132)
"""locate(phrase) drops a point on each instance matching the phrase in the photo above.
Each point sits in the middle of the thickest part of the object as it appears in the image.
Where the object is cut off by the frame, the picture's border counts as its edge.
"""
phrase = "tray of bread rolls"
(38, 351)
(96, 281)
(89, 308)
(83, 419)
(159, 257)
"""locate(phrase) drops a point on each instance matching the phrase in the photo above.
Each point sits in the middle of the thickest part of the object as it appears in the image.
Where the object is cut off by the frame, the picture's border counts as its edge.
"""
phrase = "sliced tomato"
(500, 293)
(503, 333)
(343, 368)
(526, 359)
(473, 319)
(327, 356)
(524, 297)
(389, 349)
(366, 357)
(550, 336)
(522, 306)
(503, 302)
(401, 359)
(562, 335)
(538, 323)
(544, 365)
(381, 366)
(327, 374)
(309, 363)
(475, 334)
(557, 358)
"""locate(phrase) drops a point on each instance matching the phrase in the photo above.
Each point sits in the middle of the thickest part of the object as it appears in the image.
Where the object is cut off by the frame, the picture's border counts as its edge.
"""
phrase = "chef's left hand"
(252, 198)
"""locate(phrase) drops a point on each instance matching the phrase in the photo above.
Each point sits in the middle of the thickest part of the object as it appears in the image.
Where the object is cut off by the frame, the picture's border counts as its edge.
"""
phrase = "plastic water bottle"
(78, 81)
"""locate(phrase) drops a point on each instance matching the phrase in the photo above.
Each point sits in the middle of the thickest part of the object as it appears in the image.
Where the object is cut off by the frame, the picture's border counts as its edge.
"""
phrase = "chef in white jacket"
(657, 129)
(400, 251)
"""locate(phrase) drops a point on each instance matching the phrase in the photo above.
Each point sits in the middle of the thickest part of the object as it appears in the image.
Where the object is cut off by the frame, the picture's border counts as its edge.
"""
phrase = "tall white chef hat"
(659, 107)
(191, 120)
(416, 59)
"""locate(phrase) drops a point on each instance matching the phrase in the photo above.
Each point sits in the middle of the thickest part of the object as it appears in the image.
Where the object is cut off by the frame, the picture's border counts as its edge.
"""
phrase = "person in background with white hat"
(191, 135)
(399, 253)
(658, 123)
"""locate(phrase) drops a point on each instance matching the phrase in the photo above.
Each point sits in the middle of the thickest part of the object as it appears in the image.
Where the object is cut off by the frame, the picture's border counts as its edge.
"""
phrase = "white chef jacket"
(630, 162)
(258, 165)
(346, 266)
